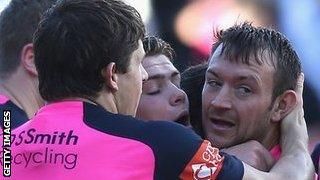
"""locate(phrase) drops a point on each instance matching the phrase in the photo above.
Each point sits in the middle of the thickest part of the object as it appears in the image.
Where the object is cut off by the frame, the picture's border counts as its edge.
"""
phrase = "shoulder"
(16, 115)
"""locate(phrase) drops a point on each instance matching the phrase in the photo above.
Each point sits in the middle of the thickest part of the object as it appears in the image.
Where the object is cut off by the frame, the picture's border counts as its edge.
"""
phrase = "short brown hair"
(18, 22)
(77, 39)
(155, 46)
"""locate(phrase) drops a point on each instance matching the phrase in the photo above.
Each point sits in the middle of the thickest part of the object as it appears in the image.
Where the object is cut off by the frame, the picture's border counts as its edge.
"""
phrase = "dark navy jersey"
(315, 157)
(18, 116)
(74, 139)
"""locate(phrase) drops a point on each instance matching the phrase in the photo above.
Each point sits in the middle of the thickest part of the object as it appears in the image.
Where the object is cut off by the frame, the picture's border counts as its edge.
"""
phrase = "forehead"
(158, 64)
(139, 53)
(222, 62)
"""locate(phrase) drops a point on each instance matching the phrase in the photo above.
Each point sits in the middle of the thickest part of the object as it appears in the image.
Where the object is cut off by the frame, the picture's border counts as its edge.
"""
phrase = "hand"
(293, 126)
(252, 153)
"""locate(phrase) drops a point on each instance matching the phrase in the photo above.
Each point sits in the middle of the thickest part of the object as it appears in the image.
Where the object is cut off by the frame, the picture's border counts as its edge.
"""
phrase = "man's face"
(130, 84)
(162, 98)
(236, 101)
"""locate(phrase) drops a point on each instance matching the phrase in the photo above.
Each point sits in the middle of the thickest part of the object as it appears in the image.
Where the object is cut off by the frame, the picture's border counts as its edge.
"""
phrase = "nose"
(222, 100)
(178, 96)
(144, 74)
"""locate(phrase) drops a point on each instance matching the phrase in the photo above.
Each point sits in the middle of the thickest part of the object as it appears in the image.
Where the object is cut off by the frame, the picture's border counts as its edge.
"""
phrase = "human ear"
(283, 105)
(110, 76)
(27, 59)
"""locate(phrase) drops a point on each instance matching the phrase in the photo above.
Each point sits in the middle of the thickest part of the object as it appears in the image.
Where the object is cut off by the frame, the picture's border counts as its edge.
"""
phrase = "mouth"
(183, 118)
(221, 124)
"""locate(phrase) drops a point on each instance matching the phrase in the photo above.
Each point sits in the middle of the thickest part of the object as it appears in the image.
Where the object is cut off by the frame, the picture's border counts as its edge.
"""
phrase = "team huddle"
(86, 93)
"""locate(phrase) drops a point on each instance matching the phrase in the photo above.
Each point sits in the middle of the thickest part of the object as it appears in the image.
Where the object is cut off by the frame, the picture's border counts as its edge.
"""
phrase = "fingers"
(299, 91)
(300, 83)
(293, 127)
(299, 87)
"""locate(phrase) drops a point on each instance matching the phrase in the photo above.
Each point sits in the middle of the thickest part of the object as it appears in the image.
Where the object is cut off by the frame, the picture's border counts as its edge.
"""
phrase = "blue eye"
(244, 91)
(213, 83)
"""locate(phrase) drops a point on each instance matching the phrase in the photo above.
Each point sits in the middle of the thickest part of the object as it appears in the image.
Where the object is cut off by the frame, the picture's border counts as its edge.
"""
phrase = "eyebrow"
(249, 78)
(211, 71)
(239, 78)
(161, 76)
(156, 76)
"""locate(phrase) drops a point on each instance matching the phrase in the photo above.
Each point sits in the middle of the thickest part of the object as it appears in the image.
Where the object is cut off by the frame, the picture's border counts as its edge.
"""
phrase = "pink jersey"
(276, 152)
(3, 99)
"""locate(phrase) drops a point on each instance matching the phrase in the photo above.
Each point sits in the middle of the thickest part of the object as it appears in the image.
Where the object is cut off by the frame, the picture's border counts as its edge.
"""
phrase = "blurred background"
(188, 26)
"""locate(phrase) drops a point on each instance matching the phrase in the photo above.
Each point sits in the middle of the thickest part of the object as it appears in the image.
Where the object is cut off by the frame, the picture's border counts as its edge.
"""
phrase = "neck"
(22, 91)
(104, 99)
(107, 101)
(272, 138)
